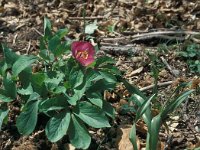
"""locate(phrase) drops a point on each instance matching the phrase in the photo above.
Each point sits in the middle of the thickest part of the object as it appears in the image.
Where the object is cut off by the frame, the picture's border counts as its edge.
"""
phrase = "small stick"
(86, 18)
(121, 49)
(168, 66)
(38, 32)
(14, 39)
(159, 85)
(160, 34)
(36, 134)
(28, 48)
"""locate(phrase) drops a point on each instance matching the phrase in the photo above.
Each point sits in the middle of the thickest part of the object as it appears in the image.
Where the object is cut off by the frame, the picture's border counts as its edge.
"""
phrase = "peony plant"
(67, 89)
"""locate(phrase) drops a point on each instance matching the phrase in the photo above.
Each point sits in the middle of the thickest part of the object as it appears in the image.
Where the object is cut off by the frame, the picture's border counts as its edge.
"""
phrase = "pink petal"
(86, 62)
(81, 46)
(74, 47)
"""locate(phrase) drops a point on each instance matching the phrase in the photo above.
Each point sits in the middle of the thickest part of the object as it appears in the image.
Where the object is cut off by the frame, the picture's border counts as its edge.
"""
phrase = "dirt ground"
(125, 33)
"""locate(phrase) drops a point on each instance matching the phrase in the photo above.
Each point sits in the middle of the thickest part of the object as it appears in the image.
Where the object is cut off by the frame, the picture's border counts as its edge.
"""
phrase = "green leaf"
(59, 90)
(47, 28)
(101, 85)
(53, 43)
(27, 119)
(108, 109)
(38, 78)
(175, 103)
(42, 44)
(133, 137)
(3, 68)
(34, 96)
(125, 108)
(54, 77)
(61, 33)
(91, 115)
(10, 87)
(101, 61)
(108, 76)
(56, 103)
(9, 55)
(90, 28)
(78, 134)
(76, 77)
(44, 54)
(53, 80)
(37, 82)
(111, 28)
(26, 91)
(25, 76)
(143, 108)
(140, 98)
(78, 93)
(131, 88)
(22, 63)
(62, 49)
(5, 98)
(57, 126)
(96, 99)
(3, 114)
(154, 132)
(111, 69)
(92, 76)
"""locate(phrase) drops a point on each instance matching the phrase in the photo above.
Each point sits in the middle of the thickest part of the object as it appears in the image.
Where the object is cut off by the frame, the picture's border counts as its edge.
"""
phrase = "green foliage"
(22, 63)
(69, 94)
(78, 134)
(144, 111)
(27, 120)
(91, 115)
(57, 126)
(111, 28)
(191, 53)
(3, 114)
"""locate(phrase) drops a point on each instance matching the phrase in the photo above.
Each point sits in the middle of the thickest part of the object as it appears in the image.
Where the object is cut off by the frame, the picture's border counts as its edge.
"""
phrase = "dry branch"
(121, 49)
(159, 85)
(86, 18)
(171, 35)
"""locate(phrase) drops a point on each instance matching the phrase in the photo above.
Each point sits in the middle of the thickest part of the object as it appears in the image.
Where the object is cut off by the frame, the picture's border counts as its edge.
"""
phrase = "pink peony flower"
(83, 52)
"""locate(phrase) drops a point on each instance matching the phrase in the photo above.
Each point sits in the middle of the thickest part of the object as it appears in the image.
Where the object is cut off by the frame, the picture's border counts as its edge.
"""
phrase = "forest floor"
(137, 34)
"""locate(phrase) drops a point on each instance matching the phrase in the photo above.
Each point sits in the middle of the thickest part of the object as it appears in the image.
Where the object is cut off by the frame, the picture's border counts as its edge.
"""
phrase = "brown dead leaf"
(163, 73)
(134, 72)
(141, 27)
(69, 147)
(54, 146)
(136, 59)
(26, 145)
(141, 127)
(155, 112)
(122, 140)
(2, 9)
(161, 145)
(110, 96)
(10, 5)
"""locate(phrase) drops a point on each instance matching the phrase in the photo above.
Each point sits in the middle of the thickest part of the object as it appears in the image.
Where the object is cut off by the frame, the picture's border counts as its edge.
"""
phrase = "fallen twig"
(38, 32)
(36, 134)
(29, 46)
(157, 34)
(159, 85)
(121, 49)
(86, 18)
(14, 39)
(172, 71)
